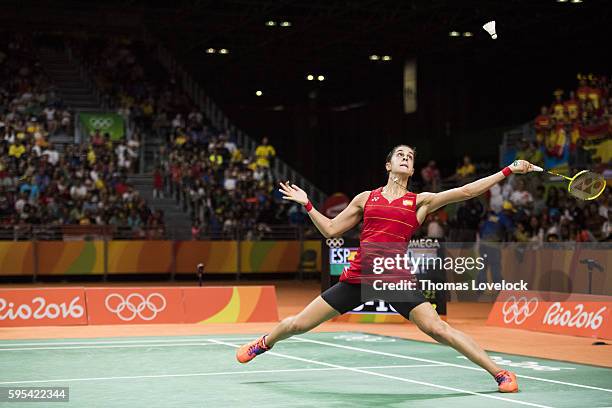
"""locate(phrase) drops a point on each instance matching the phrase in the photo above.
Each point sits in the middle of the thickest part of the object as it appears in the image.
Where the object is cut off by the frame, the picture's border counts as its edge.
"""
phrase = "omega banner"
(562, 313)
(133, 305)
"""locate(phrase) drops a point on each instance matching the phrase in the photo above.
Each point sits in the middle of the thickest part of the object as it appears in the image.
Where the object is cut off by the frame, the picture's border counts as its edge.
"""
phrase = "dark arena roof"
(331, 37)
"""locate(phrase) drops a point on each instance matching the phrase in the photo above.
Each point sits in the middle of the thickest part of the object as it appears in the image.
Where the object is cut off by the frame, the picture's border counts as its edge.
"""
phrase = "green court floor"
(312, 370)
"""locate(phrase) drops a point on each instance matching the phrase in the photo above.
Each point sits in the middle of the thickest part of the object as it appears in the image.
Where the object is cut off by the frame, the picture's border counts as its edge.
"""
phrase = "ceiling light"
(258, 93)
(468, 34)
(270, 23)
(454, 34)
(386, 58)
(310, 77)
(321, 78)
(374, 57)
(210, 50)
(561, 1)
(286, 24)
(576, 1)
(223, 51)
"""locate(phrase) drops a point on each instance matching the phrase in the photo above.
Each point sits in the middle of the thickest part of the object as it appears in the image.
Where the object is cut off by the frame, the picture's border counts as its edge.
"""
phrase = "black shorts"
(344, 297)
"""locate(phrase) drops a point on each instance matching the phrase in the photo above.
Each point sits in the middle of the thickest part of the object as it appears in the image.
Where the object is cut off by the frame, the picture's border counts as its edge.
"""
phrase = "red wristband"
(506, 170)
(308, 206)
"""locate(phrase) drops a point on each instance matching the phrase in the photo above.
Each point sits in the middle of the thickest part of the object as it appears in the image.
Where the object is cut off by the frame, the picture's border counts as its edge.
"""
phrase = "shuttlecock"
(490, 28)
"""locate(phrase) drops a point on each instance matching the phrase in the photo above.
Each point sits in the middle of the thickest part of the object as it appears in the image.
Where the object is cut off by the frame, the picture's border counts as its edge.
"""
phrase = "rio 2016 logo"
(40, 309)
(556, 315)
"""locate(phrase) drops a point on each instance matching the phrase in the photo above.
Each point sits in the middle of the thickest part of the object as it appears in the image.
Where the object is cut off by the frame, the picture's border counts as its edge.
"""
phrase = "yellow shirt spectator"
(16, 150)
(99, 184)
(147, 109)
(216, 159)
(32, 128)
(467, 169)
(236, 156)
(91, 157)
(180, 140)
(264, 153)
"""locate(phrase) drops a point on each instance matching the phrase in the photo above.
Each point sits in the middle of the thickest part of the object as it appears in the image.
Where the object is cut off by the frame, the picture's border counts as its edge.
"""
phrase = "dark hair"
(392, 152)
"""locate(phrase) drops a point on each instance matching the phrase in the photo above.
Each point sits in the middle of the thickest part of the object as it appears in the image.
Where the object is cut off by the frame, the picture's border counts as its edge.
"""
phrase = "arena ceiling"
(332, 38)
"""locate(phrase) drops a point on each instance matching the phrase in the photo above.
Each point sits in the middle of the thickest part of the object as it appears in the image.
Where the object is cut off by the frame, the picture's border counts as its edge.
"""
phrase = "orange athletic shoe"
(251, 350)
(506, 381)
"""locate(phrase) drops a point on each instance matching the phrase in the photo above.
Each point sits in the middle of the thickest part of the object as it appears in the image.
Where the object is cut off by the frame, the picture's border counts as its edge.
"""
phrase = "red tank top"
(383, 221)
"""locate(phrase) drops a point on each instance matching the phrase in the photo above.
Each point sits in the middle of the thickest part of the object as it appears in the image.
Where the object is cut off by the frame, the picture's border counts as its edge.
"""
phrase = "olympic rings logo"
(101, 123)
(135, 305)
(518, 311)
(334, 242)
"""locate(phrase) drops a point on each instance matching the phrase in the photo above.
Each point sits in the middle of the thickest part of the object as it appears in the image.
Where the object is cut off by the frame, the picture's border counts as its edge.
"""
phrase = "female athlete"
(390, 214)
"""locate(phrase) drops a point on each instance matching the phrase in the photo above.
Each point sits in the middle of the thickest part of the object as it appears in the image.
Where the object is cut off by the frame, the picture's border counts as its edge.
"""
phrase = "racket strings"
(587, 185)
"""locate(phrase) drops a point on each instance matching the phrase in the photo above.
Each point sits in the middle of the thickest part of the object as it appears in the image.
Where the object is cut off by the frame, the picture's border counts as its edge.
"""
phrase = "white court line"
(382, 353)
(358, 370)
(117, 345)
(77, 343)
(288, 370)
(104, 347)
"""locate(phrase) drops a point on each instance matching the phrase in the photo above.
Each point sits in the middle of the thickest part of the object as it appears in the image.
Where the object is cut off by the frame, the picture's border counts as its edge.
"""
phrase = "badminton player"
(390, 214)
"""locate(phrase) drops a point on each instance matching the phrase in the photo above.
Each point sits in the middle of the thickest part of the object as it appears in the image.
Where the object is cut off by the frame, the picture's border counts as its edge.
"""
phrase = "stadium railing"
(259, 232)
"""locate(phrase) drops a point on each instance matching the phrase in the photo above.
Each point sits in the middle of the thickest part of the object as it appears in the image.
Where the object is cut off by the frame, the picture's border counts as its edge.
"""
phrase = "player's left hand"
(293, 192)
(521, 167)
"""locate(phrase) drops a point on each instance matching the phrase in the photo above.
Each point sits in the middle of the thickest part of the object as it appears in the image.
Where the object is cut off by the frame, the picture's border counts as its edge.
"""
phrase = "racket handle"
(537, 168)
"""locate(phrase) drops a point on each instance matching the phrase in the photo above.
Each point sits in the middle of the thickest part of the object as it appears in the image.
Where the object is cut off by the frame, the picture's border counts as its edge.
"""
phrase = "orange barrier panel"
(16, 258)
(90, 257)
(134, 305)
(139, 256)
(553, 312)
(237, 304)
(269, 256)
(42, 307)
(70, 257)
(222, 304)
(217, 256)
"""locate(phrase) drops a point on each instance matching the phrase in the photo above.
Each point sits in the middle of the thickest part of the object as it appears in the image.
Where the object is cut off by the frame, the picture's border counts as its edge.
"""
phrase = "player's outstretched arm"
(430, 202)
(329, 227)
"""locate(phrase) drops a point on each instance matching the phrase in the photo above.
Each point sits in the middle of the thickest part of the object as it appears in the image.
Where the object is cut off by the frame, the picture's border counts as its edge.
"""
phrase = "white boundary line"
(119, 346)
(424, 360)
(288, 370)
(105, 347)
(359, 370)
(77, 343)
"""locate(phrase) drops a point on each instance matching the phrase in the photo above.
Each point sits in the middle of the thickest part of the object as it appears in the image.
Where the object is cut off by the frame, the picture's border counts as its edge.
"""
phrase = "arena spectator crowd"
(226, 189)
(223, 187)
(40, 184)
(576, 119)
(534, 209)
(521, 209)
